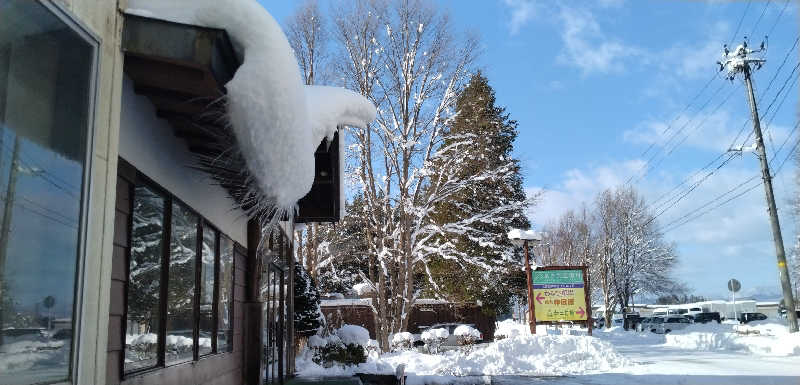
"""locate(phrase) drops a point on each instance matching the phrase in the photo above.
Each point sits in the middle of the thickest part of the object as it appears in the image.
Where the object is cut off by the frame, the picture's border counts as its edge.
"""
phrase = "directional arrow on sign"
(580, 312)
(539, 298)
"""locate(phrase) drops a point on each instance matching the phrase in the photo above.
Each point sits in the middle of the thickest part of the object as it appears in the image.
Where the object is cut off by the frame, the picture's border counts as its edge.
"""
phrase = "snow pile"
(510, 329)
(768, 339)
(278, 122)
(434, 334)
(353, 334)
(362, 288)
(539, 355)
(528, 235)
(25, 355)
(316, 341)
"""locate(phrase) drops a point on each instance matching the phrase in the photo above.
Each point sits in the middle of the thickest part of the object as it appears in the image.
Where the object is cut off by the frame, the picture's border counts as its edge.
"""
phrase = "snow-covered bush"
(346, 346)
(466, 335)
(402, 341)
(433, 339)
(141, 346)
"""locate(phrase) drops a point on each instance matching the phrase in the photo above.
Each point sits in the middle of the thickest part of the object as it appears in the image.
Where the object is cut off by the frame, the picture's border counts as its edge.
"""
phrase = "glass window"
(207, 290)
(144, 280)
(180, 287)
(46, 72)
(225, 306)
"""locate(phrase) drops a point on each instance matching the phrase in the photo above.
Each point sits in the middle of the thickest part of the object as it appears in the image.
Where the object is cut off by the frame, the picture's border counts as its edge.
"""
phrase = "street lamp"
(520, 238)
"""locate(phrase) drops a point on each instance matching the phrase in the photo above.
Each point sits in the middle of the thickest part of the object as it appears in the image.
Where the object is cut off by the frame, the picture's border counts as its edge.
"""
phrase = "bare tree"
(404, 56)
(308, 36)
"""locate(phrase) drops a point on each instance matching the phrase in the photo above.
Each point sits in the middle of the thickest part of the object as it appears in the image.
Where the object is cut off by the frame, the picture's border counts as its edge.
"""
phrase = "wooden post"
(587, 292)
(531, 313)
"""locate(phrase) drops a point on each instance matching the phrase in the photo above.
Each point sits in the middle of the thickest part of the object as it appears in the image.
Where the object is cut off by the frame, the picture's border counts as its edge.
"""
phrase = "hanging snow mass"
(278, 122)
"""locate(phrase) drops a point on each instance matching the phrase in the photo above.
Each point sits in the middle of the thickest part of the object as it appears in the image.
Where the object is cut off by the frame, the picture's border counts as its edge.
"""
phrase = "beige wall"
(103, 18)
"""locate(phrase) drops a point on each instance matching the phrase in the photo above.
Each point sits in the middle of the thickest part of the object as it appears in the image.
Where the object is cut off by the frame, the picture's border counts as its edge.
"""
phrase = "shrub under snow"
(466, 335)
(434, 338)
(402, 340)
(353, 335)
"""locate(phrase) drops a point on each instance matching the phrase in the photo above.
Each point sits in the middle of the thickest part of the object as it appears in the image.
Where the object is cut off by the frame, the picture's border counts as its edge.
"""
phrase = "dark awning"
(182, 69)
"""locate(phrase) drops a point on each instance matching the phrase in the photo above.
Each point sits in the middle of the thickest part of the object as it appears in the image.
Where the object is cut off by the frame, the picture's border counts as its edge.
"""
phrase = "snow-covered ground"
(702, 354)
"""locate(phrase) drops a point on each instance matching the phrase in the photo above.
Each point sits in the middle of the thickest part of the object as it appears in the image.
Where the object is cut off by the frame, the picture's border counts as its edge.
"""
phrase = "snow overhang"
(183, 70)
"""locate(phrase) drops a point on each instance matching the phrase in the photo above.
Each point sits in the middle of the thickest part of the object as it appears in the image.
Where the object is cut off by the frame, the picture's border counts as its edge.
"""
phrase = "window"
(144, 280)
(47, 72)
(180, 298)
(180, 286)
(225, 307)
(207, 279)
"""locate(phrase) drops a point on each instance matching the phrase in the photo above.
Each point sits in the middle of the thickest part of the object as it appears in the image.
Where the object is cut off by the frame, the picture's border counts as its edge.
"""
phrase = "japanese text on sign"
(559, 295)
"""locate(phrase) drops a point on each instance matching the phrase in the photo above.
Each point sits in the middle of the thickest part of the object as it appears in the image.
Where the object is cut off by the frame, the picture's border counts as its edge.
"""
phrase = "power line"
(738, 26)
(785, 5)
(696, 214)
(763, 11)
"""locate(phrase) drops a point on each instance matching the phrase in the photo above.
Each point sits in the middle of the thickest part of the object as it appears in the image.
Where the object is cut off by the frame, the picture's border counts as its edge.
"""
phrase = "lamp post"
(520, 238)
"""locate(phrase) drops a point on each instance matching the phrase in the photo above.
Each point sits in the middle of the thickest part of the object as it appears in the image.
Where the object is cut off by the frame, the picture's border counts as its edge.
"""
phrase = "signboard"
(559, 295)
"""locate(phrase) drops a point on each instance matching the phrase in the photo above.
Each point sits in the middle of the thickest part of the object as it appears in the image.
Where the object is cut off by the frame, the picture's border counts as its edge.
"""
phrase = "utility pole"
(740, 61)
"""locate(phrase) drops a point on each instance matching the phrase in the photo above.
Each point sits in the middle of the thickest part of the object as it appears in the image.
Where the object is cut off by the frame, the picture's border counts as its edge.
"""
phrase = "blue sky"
(593, 84)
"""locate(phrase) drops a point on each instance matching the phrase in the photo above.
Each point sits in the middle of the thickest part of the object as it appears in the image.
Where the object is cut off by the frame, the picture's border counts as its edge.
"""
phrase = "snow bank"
(278, 122)
(353, 334)
(540, 355)
(766, 339)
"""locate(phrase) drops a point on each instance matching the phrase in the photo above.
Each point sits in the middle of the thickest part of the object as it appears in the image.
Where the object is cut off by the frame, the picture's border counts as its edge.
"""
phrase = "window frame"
(170, 199)
(80, 308)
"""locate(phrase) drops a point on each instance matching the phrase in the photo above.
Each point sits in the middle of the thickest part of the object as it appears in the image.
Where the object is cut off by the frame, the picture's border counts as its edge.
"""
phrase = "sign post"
(561, 294)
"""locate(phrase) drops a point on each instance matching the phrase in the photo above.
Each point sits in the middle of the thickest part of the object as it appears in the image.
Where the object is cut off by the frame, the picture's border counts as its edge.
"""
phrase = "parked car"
(63, 334)
(451, 327)
(702, 318)
(747, 317)
(639, 326)
(664, 325)
(12, 335)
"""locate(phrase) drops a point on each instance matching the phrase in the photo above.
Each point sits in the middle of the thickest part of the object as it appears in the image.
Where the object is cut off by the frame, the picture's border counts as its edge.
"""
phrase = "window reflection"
(144, 281)
(45, 73)
(180, 288)
(225, 306)
(207, 290)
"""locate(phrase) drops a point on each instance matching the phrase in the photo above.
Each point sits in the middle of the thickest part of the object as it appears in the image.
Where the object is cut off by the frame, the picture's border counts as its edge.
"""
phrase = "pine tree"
(493, 135)
(308, 318)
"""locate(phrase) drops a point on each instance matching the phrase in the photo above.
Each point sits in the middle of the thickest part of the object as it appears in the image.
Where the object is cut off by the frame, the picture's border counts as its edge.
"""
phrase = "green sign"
(544, 277)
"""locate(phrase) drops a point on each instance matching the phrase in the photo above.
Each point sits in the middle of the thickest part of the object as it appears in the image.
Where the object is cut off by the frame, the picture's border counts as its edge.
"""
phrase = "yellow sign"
(559, 295)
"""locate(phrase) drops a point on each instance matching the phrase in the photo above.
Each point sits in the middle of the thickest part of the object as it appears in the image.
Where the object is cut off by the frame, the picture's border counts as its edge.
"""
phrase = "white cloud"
(578, 187)
(587, 47)
(522, 11)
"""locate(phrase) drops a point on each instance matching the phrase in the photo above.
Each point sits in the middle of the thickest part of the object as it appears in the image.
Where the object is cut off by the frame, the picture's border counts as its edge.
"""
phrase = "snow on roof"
(528, 235)
(346, 302)
(277, 120)
(362, 288)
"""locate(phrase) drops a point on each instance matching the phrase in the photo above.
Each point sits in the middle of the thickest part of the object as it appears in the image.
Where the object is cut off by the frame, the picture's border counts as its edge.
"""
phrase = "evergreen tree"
(308, 318)
(343, 250)
(492, 134)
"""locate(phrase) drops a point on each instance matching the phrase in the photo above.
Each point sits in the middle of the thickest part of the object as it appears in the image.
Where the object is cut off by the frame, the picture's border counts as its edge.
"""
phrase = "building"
(152, 263)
